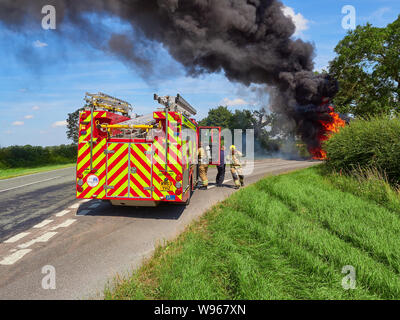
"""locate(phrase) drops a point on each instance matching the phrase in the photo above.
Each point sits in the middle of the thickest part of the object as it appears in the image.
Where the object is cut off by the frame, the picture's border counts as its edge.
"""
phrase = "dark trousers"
(221, 174)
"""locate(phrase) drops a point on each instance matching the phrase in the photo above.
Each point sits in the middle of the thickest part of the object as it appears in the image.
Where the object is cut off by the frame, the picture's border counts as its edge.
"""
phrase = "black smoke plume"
(249, 40)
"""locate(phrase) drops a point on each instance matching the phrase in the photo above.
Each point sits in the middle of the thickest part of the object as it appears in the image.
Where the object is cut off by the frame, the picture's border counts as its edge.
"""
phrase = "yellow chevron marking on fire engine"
(115, 169)
(95, 151)
(100, 157)
(140, 180)
(171, 159)
(82, 150)
(118, 193)
(144, 158)
(173, 154)
(188, 123)
(114, 158)
(136, 188)
(123, 175)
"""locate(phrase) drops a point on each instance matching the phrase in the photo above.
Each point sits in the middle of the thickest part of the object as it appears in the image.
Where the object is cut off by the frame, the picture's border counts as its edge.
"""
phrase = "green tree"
(367, 67)
(259, 120)
(219, 117)
(241, 119)
(73, 126)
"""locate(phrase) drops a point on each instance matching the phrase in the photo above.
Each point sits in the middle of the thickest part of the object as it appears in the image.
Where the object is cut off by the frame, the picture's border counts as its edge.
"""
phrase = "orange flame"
(328, 128)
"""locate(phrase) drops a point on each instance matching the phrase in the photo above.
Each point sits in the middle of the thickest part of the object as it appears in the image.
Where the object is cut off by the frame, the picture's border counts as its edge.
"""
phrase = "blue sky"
(35, 99)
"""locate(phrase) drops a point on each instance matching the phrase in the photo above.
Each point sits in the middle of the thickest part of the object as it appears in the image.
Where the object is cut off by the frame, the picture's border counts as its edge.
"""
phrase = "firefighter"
(203, 166)
(221, 168)
(236, 167)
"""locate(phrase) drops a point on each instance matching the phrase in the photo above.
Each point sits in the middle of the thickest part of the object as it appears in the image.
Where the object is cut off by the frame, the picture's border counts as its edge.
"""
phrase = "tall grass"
(285, 237)
(367, 143)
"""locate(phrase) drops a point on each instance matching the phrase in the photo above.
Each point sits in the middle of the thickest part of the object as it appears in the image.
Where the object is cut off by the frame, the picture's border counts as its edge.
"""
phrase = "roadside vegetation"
(371, 144)
(285, 237)
(28, 157)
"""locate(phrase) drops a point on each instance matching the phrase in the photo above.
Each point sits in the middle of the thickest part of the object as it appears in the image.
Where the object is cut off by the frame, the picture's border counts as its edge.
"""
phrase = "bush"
(367, 143)
(29, 156)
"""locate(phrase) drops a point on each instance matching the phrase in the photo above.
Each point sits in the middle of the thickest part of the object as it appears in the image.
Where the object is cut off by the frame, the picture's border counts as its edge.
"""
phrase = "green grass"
(16, 172)
(285, 237)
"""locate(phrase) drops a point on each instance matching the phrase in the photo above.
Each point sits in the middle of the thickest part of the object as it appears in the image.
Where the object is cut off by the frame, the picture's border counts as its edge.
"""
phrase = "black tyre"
(190, 194)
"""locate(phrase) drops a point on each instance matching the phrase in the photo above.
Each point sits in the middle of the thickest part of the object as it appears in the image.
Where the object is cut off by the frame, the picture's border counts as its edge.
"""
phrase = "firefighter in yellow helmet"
(203, 166)
(234, 159)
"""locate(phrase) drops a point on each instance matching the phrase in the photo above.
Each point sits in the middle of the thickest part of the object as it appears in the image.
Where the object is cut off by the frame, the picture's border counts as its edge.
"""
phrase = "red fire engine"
(140, 160)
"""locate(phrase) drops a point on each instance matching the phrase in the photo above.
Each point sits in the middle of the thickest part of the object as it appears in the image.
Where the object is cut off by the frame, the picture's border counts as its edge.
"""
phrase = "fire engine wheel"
(190, 194)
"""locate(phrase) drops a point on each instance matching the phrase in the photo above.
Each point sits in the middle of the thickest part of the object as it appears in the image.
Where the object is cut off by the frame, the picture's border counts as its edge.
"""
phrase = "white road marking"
(82, 213)
(17, 237)
(64, 224)
(75, 206)
(43, 224)
(13, 258)
(44, 238)
(28, 184)
(85, 200)
(62, 213)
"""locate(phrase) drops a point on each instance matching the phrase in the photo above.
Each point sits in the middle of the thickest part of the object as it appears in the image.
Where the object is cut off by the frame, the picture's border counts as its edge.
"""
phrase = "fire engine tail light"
(179, 177)
(178, 191)
(80, 175)
(178, 185)
(79, 188)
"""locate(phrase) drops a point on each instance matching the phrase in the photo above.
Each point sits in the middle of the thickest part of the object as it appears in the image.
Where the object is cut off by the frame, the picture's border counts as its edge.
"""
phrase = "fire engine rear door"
(117, 170)
(211, 139)
(141, 169)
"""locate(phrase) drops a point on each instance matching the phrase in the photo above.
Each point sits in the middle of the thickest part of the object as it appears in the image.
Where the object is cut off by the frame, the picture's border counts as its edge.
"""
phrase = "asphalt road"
(88, 243)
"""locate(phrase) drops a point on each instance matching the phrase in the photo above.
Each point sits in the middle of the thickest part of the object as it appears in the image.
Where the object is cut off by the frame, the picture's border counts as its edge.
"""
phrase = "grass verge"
(16, 172)
(285, 237)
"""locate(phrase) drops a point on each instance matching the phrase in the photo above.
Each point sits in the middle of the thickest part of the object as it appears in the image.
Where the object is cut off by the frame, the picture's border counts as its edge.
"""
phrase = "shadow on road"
(165, 211)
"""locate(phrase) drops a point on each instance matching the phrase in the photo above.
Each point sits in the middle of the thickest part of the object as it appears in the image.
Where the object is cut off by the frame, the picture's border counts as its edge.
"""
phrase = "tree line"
(30, 156)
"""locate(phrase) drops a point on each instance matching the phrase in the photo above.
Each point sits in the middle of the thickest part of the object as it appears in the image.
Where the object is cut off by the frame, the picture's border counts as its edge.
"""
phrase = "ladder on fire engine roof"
(109, 103)
(176, 104)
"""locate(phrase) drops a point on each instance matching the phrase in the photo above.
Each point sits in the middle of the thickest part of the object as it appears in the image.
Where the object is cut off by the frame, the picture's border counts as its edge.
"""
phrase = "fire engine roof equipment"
(104, 101)
(176, 104)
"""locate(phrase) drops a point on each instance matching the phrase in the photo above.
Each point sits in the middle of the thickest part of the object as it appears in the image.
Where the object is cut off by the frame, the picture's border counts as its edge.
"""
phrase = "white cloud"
(234, 102)
(18, 123)
(298, 19)
(35, 108)
(59, 124)
(29, 116)
(39, 44)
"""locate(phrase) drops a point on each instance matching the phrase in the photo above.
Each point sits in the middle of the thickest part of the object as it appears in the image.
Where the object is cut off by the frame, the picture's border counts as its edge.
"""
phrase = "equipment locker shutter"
(117, 170)
(141, 171)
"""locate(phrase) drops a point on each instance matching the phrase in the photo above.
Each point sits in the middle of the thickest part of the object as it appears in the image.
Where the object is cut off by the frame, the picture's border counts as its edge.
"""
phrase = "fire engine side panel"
(84, 156)
(165, 181)
(189, 148)
(117, 182)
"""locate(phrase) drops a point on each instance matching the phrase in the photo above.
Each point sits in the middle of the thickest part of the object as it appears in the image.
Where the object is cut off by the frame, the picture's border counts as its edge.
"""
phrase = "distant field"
(16, 172)
(285, 237)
